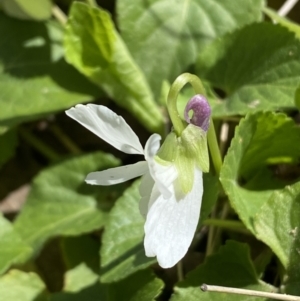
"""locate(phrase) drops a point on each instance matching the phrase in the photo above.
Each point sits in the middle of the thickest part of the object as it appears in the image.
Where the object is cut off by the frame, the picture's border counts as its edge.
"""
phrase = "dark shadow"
(93, 292)
(139, 258)
(271, 177)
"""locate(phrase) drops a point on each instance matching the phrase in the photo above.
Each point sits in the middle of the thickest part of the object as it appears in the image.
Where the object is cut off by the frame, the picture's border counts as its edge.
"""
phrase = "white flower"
(171, 215)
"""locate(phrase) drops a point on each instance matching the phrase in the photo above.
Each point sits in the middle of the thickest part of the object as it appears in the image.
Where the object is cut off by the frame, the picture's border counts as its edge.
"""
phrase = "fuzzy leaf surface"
(257, 67)
(179, 30)
(278, 225)
(66, 205)
(261, 142)
(122, 251)
(13, 249)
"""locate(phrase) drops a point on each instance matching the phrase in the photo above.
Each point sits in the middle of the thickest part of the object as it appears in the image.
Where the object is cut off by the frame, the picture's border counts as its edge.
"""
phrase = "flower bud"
(201, 112)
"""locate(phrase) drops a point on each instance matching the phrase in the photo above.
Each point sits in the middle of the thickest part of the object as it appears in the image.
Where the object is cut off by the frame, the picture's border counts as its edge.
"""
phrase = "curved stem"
(179, 125)
(179, 83)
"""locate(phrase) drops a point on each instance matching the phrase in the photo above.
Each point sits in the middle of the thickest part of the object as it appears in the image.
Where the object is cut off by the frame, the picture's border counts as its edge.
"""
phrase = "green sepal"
(194, 140)
(168, 150)
(185, 165)
(186, 152)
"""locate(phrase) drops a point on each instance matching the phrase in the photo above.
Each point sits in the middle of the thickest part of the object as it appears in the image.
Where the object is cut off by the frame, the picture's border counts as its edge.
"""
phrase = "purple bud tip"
(201, 112)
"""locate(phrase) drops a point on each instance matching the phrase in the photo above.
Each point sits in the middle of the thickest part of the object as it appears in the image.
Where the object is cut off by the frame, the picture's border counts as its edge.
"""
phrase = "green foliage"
(140, 286)
(231, 267)
(95, 48)
(171, 26)
(17, 285)
(257, 67)
(65, 204)
(122, 252)
(31, 59)
(283, 21)
(66, 240)
(8, 143)
(261, 140)
(13, 250)
(277, 224)
(22, 9)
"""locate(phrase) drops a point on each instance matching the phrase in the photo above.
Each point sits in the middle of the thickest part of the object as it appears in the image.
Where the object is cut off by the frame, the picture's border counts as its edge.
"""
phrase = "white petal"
(163, 175)
(117, 175)
(171, 223)
(145, 189)
(107, 125)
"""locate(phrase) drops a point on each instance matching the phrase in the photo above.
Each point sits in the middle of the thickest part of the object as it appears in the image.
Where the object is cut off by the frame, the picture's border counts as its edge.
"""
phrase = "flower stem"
(227, 224)
(44, 149)
(180, 270)
(214, 147)
(172, 104)
(65, 140)
(178, 124)
(178, 84)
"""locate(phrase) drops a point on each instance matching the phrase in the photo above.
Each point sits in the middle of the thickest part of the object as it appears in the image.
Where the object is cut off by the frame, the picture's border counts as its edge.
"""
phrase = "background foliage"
(63, 240)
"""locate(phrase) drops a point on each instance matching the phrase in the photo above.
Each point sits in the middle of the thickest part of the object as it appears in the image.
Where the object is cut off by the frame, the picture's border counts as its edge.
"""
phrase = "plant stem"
(180, 270)
(178, 124)
(227, 224)
(44, 149)
(239, 291)
(65, 140)
(59, 15)
(172, 105)
(211, 234)
(214, 148)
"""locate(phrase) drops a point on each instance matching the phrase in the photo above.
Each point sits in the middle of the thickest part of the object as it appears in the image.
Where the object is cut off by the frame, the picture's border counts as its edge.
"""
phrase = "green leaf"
(60, 203)
(79, 278)
(231, 266)
(81, 249)
(31, 59)
(17, 285)
(169, 34)
(210, 194)
(81, 257)
(122, 251)
(262, 140)
(8, 143)
(264, 78)
(24, 9)
(282, 21)
(13, 250)
(95, 48)
(278, 225)
(142, 285)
